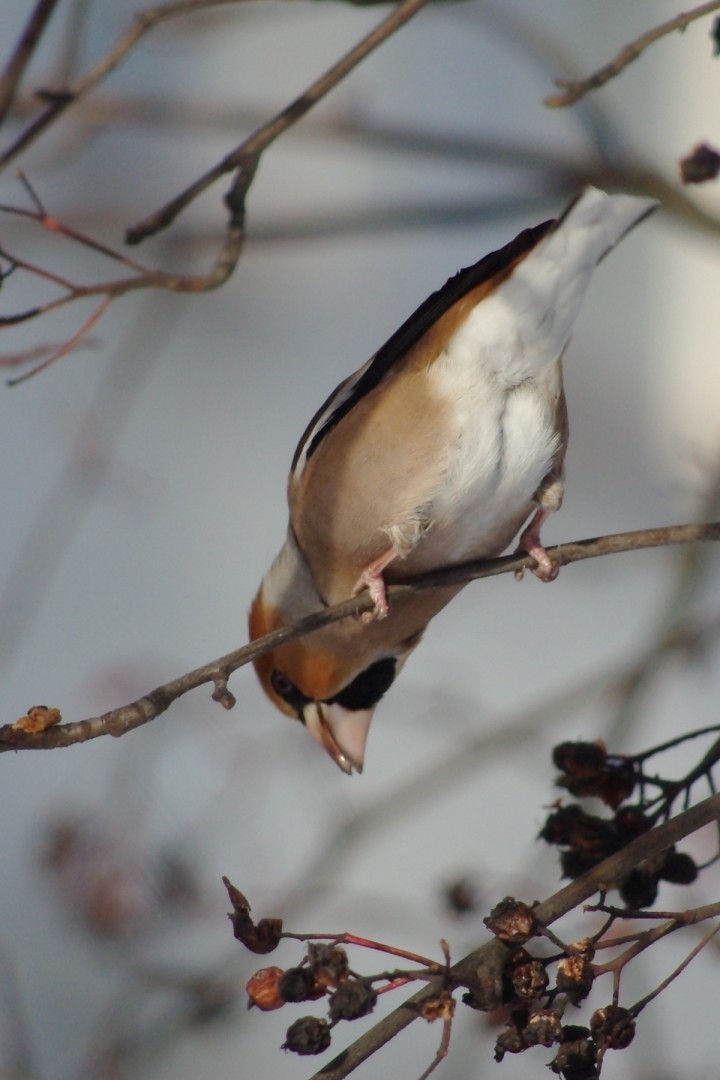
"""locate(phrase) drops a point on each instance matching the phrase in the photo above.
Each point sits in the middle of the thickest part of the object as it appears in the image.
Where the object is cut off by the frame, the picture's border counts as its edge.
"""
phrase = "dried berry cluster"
(578, 1048)
(537, 1007)
(535, 991)
(586, 839)
(323, 972)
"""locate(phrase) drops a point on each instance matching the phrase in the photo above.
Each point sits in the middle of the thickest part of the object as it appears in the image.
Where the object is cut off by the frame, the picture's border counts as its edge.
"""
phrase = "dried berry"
(298, 984)
(308, 1035)
(263, 989)
(617, 784)
(543, 1028)
(526, 976)
(574, 865)
(575, 977)
(576, 1058)
(639, 889)
(584, 947)
(328, 963)
(512, 921)
(352, 999)
(580, 759)
(613, 1027)
(511, 1039)
(559, 826)
(630, 821)
(587, 770)
(678, 868)
(260, 938)
(589, 836)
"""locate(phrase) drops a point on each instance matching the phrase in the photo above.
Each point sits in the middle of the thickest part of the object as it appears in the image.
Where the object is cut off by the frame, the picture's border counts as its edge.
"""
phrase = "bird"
(437, 451)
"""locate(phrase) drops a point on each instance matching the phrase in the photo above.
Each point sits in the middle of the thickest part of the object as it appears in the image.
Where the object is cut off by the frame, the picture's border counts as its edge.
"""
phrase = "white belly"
(502, 448)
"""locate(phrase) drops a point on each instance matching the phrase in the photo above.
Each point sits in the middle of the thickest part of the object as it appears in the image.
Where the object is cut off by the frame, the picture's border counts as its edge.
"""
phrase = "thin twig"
(573, 91)
(638, 944)
(346, 938)
(243, 161)
(40, 214)
(442, 1051)
(140, 278)
(244, 158)
(64, 98)
(119, 721)
(22, 54)
(705, 940)
(67, 346)
(671, 744)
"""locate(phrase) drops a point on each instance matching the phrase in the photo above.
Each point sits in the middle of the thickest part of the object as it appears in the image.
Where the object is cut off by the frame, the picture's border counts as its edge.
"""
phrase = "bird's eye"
(282, 686)
(286, 689)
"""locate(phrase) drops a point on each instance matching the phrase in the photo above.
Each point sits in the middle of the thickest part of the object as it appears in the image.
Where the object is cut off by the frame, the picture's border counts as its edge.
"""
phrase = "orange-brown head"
(327, 680)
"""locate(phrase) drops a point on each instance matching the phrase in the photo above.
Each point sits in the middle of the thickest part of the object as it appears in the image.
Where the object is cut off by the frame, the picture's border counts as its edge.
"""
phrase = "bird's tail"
(607, 218)
(547, 288)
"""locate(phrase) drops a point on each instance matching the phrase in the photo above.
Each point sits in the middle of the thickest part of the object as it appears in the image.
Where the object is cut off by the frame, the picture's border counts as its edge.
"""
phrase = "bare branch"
(141, 277)
(23, 52)
(705, 940)
(62, 99)
(573, 91)
(245, 157)
(67, 346)
(643, 940)
(128, 717)
(243, 161)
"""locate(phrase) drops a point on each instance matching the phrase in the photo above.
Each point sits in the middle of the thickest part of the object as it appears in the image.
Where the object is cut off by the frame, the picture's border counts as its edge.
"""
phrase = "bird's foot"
(530, 544)
(372, 580)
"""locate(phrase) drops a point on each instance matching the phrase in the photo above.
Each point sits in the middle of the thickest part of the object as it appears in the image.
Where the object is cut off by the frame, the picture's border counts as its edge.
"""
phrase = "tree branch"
(22, 54)
(484, 965)
(245, 157)
(573, 91)
(62, 99)
(119, 721)
(243, 160)
(141, 277)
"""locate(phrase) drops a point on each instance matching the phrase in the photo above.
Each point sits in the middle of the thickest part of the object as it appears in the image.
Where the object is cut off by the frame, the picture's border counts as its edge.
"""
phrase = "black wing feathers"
(413, 329)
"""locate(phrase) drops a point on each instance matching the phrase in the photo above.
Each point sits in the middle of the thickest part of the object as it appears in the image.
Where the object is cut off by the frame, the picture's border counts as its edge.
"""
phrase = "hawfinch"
(435, 452)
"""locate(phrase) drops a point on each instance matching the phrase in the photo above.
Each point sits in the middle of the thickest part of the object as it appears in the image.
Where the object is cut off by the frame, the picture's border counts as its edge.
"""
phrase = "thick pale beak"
(341, 732)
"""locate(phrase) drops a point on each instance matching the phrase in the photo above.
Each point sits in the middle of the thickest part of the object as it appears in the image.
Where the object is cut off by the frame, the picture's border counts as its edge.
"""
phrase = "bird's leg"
(372, 579)
(531, 544)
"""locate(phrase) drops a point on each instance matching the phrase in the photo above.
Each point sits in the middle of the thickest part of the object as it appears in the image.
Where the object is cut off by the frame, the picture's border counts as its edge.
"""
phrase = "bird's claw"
(530, 544)
(372, 580)
(546, 569)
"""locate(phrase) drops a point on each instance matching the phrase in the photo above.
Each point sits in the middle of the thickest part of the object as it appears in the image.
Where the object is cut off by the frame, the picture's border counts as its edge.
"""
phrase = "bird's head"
(330, 680)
